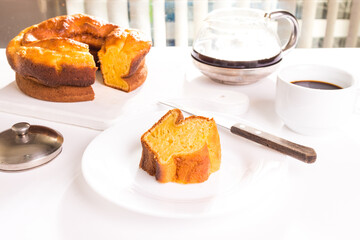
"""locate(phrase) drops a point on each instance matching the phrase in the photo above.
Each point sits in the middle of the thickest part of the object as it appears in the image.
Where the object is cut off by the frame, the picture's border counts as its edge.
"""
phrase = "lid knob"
(21, 128)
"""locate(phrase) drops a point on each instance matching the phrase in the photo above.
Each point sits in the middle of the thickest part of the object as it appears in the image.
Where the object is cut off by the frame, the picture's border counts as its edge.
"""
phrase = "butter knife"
(300, 152)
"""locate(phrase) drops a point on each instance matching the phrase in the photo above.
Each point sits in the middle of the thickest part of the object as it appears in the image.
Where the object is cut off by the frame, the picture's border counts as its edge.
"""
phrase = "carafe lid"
(27, 146)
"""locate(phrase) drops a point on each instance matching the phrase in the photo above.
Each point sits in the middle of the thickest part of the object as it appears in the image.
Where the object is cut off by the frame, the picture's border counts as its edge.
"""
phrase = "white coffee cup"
(311, 111)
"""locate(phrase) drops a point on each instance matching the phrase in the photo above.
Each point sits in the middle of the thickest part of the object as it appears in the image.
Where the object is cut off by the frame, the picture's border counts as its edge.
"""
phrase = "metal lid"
(24, 146)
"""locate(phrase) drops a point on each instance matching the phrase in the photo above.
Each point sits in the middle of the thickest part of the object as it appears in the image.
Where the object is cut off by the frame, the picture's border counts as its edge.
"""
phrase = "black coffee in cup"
(316, 84)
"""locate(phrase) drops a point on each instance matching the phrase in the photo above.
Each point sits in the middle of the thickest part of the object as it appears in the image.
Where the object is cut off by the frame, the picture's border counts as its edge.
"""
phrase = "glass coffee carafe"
(241, 46)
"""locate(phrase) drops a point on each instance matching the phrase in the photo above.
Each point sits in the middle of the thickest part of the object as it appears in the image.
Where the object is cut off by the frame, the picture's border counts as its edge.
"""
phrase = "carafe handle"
(294, 36)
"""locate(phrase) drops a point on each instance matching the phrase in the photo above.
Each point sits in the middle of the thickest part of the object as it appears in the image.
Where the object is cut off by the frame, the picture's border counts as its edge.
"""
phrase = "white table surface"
(318, 201)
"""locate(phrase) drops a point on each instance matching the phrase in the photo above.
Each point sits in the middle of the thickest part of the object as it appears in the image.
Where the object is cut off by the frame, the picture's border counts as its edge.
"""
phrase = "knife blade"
(300, 152)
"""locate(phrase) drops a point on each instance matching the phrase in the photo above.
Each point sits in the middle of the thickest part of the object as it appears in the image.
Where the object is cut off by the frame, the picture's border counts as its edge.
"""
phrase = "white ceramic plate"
(248, 172)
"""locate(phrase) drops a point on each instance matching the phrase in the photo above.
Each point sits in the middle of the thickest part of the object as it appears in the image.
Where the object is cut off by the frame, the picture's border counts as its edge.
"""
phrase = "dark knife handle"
(303, 153)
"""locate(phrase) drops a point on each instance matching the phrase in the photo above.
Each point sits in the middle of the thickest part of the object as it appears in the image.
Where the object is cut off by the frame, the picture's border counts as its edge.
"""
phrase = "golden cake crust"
(70, 75)
(56, 51)
(79, 27)
(32, 88)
